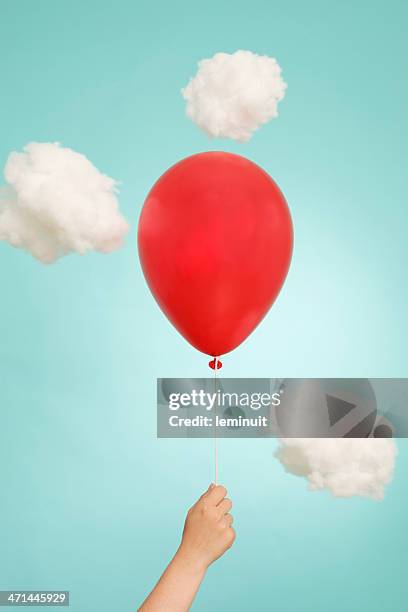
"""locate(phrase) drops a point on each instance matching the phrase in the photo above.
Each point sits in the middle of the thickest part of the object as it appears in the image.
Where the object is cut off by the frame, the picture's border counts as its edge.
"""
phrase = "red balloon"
(215, 242)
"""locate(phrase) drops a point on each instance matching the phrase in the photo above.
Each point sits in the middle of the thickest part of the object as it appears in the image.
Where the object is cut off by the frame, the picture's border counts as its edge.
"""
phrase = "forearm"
(177, 587)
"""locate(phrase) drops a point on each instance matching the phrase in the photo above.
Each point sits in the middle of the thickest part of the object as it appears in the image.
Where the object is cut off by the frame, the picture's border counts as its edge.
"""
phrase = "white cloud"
(56, 202)
(232, 95)
(344, 466)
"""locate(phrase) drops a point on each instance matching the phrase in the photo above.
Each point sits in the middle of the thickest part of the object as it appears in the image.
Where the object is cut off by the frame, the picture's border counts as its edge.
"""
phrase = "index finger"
(216, 495)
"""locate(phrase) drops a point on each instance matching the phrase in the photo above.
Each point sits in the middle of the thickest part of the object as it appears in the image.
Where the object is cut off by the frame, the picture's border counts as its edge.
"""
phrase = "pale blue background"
(90, 500)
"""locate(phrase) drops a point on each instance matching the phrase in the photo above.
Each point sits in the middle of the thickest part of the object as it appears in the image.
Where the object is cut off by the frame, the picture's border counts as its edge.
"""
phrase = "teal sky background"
(90, 500)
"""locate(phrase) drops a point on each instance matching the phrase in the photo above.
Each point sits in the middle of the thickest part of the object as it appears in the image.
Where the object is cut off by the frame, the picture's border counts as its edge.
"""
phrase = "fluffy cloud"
(232, 95)
(56, 202)
(344, 466)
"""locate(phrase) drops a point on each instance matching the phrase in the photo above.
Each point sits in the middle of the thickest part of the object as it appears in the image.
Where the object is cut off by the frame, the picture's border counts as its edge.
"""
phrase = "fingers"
(216, 495)
(228, 520)
(224, 506)
(231, 536)
(206, 493)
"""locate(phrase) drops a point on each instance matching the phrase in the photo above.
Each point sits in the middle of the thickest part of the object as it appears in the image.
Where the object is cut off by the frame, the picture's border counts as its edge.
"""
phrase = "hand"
(207, 531)
(207, 535)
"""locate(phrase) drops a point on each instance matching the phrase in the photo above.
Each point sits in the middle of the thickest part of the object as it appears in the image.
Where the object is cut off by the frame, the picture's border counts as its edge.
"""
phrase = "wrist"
(190, 561)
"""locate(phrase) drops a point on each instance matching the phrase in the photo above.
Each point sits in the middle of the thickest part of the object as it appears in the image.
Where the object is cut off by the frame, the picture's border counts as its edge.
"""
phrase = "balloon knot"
(215, 364)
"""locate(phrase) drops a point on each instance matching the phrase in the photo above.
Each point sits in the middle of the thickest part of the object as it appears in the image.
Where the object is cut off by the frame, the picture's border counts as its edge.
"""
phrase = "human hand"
(207, 535)
(207, 530)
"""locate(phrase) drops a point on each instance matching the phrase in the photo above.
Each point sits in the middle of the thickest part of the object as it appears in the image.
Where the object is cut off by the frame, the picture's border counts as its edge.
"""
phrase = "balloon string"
(215, 364)
(215, 425)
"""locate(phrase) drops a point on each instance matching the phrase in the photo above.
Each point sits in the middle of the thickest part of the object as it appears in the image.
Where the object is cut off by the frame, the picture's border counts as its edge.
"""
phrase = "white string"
(215, 424)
